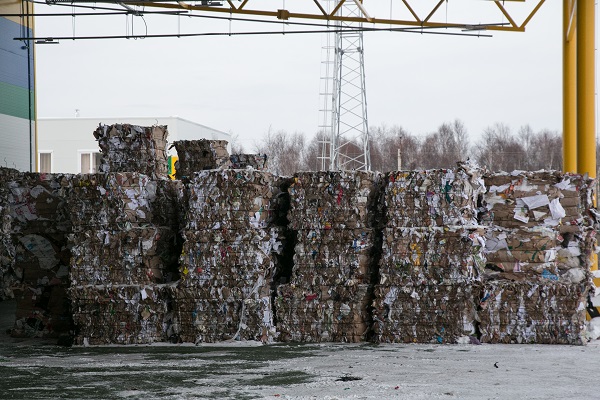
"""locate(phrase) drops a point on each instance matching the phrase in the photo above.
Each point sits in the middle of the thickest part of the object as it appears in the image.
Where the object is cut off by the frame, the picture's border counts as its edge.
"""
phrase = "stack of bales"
(40, 226)
(229, 253)
(432, 256)
(538, 248)
(133, 148)
(329, 293)
(256, 161)
(8, 278)
(200, 155)
(123, 245)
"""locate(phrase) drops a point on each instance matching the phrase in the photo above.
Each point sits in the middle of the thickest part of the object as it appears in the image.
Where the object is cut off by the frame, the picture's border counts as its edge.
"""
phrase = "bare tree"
(284, 151)
(446, 146)
(499, 149)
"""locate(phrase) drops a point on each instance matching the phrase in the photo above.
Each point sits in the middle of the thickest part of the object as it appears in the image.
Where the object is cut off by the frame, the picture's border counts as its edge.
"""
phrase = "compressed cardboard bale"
(40, 223)
(334, 257)
(558, 200)
(433, 197)
(121, 314)
(133, 148)
(424, 313)
(223, 313)
(432, 255)
(241, 161)
(323, 314)
(231, 199)
(120, 199)
(538, 254)
(38, 203)
(533, 312)
(229, 258)
(8, 278)
(199, 155)
(334, 200)
(133, 256)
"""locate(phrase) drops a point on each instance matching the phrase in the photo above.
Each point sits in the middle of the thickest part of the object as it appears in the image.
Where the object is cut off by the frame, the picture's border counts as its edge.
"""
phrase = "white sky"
(248, 84)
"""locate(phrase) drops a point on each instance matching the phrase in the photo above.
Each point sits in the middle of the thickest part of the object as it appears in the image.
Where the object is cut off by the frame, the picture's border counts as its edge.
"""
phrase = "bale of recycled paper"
(538, 254)
(117, 199)
(8, 278)
(255, 161)
(40, 224)
(562, 201)
(424, 313)
(229, 258)
(231, 199)
(141, 255)
(334, 257)
(323, 314)
(432, 255)
(200, 155)
(206, 315)
(121, 314)
(334, 200)
(533, 312)
(438, 197)
(38, 203)
(133, 148)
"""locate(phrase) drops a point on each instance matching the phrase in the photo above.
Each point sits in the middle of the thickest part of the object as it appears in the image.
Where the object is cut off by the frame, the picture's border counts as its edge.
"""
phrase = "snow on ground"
(33, 370)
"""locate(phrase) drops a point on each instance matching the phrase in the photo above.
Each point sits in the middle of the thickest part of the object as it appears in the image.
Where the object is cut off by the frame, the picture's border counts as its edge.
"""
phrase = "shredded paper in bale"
(323, 314)
(424, 313)
(8, 278)
(224, 313)
(199, 155)
(532, 312)
(431, 256)
(133, 148)
(538, 254)
(121, 314)
(40, 225)
(433, 197)
(333, 257)
(255, 161)
(231, 199)
(334, 200)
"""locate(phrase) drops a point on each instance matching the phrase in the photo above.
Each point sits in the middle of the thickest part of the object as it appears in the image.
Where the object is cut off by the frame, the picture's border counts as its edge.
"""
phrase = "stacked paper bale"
(329, 292)
(538, 249)
(40, 225)
(432, 256)
(200, 155)
(8, 277)
(122, 314)
(229, 256)
(133, 148)
(256, 161)
(123, 243)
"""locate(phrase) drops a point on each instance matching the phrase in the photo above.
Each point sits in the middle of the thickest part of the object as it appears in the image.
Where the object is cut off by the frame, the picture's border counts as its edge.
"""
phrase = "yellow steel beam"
(320, 14)
(569, 87)
(586, 110)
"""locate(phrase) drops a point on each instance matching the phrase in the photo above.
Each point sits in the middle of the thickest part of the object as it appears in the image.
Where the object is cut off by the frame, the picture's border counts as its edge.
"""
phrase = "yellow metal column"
(586, 100)
(569, 87)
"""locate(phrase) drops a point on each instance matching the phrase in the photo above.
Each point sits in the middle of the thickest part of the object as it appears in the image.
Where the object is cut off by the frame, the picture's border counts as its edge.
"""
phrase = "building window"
(89, 161)
(45, 161)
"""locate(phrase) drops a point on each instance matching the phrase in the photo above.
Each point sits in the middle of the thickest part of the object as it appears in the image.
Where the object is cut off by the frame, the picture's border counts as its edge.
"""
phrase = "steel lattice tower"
(345, 141)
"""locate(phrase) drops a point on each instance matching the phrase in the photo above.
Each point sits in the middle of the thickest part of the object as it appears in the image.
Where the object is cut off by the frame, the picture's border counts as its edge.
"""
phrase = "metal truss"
(318, 10)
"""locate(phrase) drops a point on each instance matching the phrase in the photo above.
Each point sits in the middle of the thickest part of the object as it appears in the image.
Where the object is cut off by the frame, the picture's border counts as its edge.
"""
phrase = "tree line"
(391, 147)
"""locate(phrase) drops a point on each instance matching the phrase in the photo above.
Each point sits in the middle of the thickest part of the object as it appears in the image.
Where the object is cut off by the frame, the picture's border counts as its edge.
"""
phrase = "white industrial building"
(68, 144)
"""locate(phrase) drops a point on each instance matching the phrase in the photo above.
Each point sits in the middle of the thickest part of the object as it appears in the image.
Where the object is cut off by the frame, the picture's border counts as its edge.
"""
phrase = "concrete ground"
(38, 370)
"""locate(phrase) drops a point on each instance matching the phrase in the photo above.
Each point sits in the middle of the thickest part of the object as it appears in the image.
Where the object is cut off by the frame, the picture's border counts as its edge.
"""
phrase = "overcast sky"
(248, 84)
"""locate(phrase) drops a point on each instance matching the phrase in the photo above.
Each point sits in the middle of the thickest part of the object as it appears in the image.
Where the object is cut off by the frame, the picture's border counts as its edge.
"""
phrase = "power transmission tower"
(345, 128)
